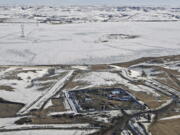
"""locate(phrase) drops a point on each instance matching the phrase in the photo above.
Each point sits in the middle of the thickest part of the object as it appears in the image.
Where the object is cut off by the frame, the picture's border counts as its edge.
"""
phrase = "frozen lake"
(88, 43)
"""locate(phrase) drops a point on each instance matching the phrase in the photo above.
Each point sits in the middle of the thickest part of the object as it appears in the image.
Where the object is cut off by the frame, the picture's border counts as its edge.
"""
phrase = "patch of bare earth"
(172, 110)
(169, 78)
(151, 100)
(72, 85)
(9, 109)
(57, 106)
(155, 60)
(6, 88)
(99, 67)
(59, 119)
(56, 120)
(166, 127)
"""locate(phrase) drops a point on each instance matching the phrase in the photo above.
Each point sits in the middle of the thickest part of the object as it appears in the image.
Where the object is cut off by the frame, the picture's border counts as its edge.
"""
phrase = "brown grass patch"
(149, 99)
(9, 109)
(150, 59)
(6, 88)
(63, 119)
(57, 106)
(99, 67)
(51, 120)
(71, 85)
(170, 83)
(166, 127)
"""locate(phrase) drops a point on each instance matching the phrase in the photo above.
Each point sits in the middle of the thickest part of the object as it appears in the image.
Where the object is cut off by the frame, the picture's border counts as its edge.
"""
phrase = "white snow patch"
(48, 104)
(100, 78)
(171, 117)
(80, 67)
(50, 132)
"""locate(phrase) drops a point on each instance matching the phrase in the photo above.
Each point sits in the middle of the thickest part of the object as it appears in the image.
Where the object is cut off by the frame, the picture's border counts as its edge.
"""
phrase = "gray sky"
(93, 2)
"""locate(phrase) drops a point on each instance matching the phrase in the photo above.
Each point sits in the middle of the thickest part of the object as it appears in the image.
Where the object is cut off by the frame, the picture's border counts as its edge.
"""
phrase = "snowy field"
(80, 14)
(88, 43)
(48, 132)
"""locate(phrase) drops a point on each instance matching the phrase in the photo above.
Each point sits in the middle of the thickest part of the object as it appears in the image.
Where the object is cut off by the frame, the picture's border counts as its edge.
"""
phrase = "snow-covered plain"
(22, 92)
(94, 79)
(87, 43)
(79, 14)
(26, 83)
(86, 34)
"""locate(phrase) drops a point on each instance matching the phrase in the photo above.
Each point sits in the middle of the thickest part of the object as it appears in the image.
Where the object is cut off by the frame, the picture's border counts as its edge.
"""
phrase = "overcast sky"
(93, 2)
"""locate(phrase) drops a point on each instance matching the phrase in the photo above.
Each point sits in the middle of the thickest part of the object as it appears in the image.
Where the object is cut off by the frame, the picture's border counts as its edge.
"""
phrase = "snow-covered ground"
(27, 86)
(100, 79)
(94, 79)
(23, 90)
(171, 117)
(80, 14)
(38, 103)
(49, 132)
(88, 43)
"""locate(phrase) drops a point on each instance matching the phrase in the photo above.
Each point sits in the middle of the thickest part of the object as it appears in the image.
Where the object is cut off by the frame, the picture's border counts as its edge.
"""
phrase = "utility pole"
(22, 30)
